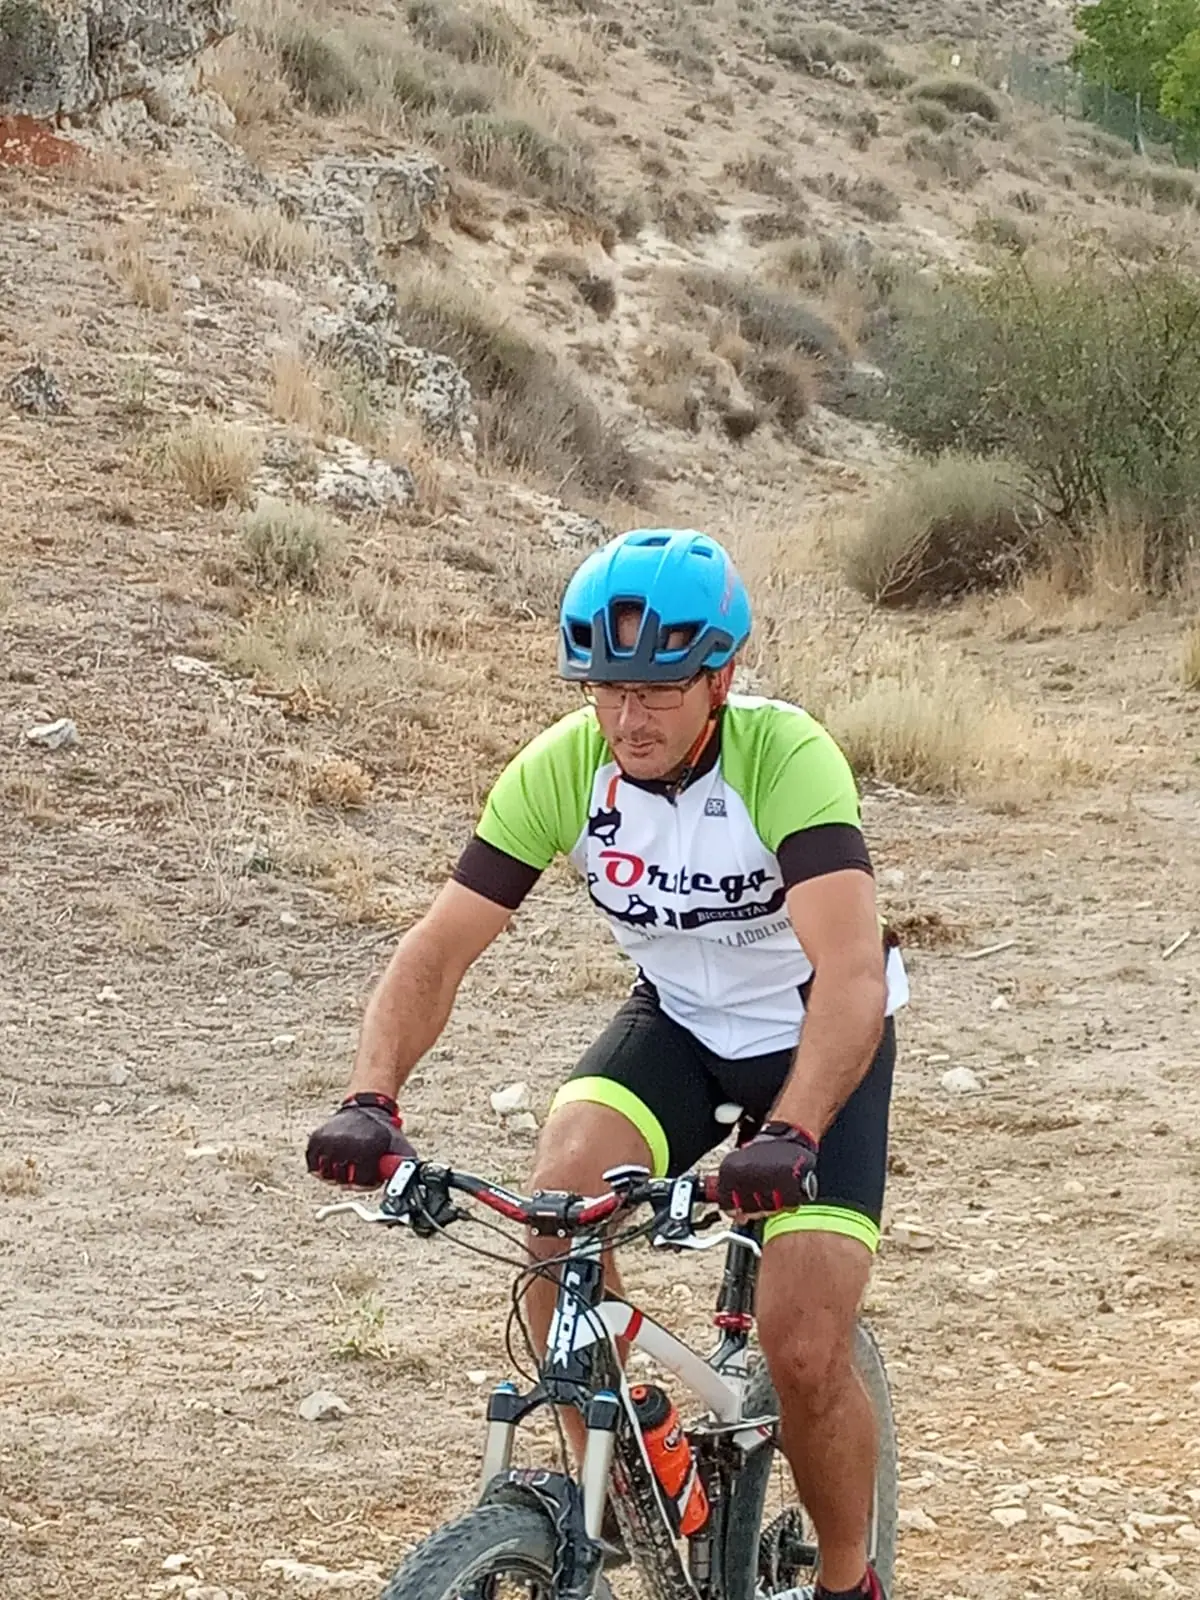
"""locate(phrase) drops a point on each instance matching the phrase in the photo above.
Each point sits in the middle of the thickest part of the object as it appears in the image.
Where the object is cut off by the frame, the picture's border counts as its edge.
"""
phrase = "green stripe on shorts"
(607, 1092)
(824, 1219)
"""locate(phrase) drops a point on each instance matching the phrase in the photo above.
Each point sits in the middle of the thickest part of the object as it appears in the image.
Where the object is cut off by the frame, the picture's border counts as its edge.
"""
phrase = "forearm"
(405, 1015)
(842, 1029)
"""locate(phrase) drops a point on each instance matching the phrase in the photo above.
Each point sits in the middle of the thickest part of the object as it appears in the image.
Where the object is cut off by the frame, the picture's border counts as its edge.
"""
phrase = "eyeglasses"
(650, 696)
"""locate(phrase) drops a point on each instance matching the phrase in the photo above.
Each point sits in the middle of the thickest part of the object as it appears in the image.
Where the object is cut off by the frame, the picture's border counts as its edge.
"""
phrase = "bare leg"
(579, 1143)
(808, 1299)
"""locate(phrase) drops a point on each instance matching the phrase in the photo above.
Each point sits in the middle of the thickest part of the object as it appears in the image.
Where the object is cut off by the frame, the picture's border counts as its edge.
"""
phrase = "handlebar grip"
(708, 1188)
(387, 1166)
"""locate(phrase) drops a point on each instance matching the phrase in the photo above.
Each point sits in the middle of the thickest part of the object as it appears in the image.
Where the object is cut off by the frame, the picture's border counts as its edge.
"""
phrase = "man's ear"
(718, 685)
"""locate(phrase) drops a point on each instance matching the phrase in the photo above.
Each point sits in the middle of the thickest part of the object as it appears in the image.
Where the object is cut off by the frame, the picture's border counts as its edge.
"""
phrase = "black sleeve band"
(815, 852)
(494, 874)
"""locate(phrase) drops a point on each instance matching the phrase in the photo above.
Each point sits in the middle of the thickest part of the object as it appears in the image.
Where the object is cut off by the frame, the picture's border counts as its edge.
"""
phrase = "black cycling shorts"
(669, 1085)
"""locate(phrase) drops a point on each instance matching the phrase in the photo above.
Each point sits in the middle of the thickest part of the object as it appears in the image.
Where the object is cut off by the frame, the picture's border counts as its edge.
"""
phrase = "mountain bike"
(551, 1529)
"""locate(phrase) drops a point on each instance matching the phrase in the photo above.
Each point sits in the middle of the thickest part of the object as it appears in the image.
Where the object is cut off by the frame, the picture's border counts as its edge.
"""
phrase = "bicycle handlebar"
(554, 1212)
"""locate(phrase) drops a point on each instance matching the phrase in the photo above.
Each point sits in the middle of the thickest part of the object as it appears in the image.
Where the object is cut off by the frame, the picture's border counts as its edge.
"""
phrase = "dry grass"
(595, 289)
(1189, 663)
(20, 1178)
(31, 797)
(520, 153)
(247, 76)
(286, 545)
(269, 240)
(212, 461)
(961, 95)
(944, 529)
(913, 712)
(533, 413)
(944, 158)
(763, 174)
(296, 395)
(338, 782)
(147, 284)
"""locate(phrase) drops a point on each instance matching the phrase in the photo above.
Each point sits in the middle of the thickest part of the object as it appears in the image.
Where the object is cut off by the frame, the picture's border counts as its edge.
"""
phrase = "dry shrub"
(515, 153)
(287, 545)
(764, 175)
(961, 95)
(595, 289)
(1189, 665)
(337, 781)
(947, 157)
(296, 395)
(684, 213)
(147, 284)
(948, 527)
(533, 413)
(768, 318)
(925, 721)
(825, 42)
(931, 114)
(247, 76)
(212, 461)
(769, 226)
(20, 1178)
(471, 33)
(870, 196)
(785, 384)
(270, 240)
(1167, 186)
(31, 797)
(886, 76)
(1000, 232)
(319, 65)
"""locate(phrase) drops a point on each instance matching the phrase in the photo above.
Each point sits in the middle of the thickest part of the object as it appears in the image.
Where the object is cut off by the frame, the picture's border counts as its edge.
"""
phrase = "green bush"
(962, 95)
(285, 545)
(1086, 375)
(956, 525)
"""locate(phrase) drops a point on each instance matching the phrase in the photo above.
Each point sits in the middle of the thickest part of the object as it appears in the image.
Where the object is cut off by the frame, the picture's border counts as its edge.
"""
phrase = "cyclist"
(720, 835)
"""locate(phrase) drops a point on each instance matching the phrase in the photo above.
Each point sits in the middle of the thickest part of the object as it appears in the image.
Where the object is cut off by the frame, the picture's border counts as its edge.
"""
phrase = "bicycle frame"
(582, 1368)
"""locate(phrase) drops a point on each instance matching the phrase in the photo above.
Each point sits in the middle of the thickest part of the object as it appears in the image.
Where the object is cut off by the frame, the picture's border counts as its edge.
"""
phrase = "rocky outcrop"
(67, 58)
(373, 205)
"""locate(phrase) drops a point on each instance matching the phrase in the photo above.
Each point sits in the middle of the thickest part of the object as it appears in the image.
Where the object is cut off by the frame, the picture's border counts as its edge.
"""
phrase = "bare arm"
(836, 921)
(412, 1000)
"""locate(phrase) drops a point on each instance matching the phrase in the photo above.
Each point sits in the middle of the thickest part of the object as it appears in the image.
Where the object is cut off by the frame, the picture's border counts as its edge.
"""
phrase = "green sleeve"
(788, 769)
(538, 806)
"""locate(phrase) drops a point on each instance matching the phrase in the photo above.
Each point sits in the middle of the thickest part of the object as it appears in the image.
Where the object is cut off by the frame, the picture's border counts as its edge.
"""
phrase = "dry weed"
(270, 240)
(247, 76)
(30, 796)
(338, 782)
(20, 1178)
(287, 545)
(296, 395)
(1189, 665)
(212, 461)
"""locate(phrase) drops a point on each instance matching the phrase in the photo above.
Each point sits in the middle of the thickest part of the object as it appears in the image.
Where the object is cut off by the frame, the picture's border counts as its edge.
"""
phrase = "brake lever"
(367, 1213)
(662, 1241)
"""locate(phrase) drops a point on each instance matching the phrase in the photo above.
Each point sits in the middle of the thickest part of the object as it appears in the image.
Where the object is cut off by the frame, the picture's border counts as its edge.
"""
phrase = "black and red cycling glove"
(348, 1148)
(774, 1171)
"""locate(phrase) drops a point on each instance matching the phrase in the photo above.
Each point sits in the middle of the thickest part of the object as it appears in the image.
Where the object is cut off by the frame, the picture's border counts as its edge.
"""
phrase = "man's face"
(652, 741)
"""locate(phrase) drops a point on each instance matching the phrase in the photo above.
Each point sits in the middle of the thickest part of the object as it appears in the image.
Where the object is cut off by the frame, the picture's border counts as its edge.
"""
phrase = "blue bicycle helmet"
(679, 579)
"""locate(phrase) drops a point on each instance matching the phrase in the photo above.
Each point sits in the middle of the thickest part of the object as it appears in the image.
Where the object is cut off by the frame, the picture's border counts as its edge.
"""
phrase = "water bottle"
(671, 1457)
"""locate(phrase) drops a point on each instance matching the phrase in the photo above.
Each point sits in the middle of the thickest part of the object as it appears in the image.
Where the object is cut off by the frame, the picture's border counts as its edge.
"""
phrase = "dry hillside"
(323, 363)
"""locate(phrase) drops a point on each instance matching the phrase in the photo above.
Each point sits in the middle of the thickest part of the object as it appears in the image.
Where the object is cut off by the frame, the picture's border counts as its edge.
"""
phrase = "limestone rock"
(371, 203)
(72, 56)
(355, 481)
(35, 390)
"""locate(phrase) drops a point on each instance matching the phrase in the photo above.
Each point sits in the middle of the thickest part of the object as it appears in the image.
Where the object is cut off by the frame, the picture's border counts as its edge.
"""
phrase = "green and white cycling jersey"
(694, 882)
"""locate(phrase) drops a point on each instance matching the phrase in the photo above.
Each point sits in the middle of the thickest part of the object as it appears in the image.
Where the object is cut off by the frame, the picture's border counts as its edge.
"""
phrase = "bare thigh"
(810, 1287)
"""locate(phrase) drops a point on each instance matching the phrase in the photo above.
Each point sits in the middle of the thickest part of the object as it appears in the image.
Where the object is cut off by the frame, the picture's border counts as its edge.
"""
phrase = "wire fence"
(1060, 88)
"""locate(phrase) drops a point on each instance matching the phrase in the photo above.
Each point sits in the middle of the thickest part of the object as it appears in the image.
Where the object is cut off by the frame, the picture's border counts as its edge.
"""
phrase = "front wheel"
(771, 1545)
(513, 1543)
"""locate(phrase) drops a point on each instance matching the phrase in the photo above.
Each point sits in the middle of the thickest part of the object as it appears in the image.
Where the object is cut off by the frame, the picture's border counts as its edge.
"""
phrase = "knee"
(809, 1358)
